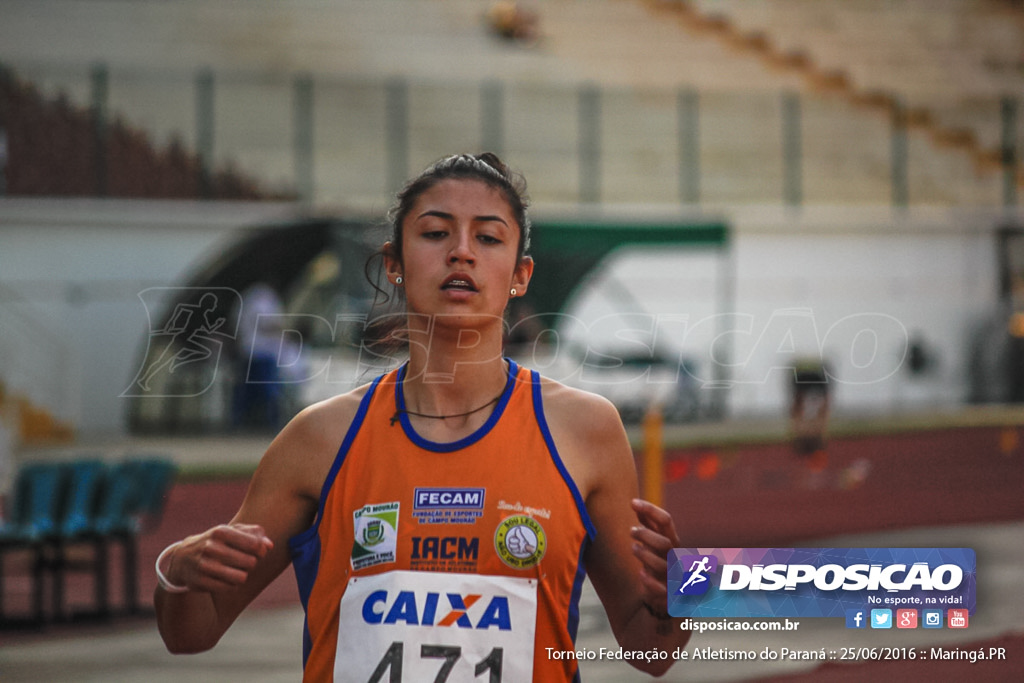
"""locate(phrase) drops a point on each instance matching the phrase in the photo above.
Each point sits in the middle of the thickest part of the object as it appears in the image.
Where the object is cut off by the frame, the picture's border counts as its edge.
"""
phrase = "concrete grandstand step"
(642, 54)
(622, 42)
(914, 50)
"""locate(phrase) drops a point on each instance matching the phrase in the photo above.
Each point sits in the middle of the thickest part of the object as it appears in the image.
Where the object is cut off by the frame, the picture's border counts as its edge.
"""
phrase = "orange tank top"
(454, 561)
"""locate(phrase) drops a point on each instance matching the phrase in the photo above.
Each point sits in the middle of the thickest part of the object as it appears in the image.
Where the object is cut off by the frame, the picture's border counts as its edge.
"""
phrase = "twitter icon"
(881, 618)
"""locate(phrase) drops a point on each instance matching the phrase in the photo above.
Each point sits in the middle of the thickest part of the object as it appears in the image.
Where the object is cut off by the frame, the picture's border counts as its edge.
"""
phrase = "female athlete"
(441, 519)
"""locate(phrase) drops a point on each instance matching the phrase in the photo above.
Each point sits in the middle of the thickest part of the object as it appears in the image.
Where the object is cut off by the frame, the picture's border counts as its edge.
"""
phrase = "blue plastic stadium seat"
(36, 508)
(34, 521)
(80, 498)
(157, 477)
(84, 482)
(57, 505)
(135, 492)
(120, 499)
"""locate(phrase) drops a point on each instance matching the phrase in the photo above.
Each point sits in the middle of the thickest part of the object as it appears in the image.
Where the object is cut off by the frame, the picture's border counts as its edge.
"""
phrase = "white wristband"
(162, 580)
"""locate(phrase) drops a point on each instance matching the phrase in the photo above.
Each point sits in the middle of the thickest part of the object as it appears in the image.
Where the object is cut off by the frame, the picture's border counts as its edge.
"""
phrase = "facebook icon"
(856, 618)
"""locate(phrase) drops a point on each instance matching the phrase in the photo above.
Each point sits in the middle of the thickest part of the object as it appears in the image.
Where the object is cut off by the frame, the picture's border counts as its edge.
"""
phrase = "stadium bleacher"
(950, 63)
(943, 69)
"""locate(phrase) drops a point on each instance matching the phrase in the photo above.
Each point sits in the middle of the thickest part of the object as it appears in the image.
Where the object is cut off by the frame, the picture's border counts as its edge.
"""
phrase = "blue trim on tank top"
(339, 459)
(542, 422)
(573, 624)
(304, 547)
(465, 441)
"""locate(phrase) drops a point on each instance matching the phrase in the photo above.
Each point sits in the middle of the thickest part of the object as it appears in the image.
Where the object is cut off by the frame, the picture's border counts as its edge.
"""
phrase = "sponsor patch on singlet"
(426, 626)
(448, 505)
(375, 528)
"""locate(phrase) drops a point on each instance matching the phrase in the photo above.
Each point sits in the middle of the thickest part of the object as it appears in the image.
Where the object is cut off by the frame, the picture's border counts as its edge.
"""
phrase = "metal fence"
(350, 142)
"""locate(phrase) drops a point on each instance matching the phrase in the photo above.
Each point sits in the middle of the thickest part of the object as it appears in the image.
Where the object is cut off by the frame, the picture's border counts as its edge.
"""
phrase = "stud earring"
(398, 280)
(513, 292)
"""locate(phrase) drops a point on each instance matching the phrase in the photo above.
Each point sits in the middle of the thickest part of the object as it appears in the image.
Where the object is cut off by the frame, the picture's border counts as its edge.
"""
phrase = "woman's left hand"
(652, 540)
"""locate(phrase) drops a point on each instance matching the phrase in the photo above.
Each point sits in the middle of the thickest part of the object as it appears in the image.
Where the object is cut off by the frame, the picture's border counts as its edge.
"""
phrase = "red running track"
(766, 496)
(738, 496)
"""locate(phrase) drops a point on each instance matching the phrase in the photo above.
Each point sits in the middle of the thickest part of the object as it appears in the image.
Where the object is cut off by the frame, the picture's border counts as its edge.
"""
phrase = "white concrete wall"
(849, 285)
(844, 283)
(71, 321)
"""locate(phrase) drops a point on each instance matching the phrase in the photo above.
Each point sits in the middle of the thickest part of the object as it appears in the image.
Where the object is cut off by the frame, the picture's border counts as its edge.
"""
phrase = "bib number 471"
(392, 662)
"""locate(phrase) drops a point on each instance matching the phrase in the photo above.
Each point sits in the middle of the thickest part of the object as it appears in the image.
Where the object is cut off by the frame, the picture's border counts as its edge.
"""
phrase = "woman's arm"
(627, 562)
(224, 568)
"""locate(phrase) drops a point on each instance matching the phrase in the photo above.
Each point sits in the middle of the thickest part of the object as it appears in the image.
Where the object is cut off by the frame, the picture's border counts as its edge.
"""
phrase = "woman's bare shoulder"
(287, 484)
(326, 421)
(579, 411)
(589, 436)
(308, 444)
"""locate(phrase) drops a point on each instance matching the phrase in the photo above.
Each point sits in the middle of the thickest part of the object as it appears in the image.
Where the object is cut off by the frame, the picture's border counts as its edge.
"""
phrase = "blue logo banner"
(817, 582)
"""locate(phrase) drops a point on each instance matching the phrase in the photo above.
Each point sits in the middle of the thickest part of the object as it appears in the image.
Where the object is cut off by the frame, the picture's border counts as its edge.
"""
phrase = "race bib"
(408, 627)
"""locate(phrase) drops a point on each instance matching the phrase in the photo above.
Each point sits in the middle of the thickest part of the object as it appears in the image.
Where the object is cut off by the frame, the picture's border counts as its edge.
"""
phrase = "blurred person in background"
(511, 21)
(809, 412)
(258, 391)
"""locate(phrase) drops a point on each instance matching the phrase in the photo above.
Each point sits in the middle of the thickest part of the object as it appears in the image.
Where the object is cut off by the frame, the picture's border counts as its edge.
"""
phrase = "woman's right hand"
(217, 559)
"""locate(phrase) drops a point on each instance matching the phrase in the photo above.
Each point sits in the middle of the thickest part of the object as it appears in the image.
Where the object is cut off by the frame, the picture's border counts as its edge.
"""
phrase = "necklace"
(398, 413)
